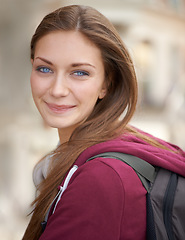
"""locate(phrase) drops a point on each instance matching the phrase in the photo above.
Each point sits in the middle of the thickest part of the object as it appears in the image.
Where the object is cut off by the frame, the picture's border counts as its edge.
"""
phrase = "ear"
(103, 91)
(31, 61)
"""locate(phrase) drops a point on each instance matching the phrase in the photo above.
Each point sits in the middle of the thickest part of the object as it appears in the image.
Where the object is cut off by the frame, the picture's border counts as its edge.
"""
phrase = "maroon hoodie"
(105, 198)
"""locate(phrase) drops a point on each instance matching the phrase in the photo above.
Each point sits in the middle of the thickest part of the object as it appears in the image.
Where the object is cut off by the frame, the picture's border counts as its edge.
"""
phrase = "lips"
(59, 108)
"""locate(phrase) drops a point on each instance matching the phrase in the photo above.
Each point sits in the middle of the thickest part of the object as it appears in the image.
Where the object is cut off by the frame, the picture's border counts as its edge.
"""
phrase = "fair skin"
(67, 79)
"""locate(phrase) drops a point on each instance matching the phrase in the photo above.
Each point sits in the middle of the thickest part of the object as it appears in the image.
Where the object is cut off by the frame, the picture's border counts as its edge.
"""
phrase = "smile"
(60, 108)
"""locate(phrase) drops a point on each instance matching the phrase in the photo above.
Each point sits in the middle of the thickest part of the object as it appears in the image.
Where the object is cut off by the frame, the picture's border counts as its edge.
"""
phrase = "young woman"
(83, 83)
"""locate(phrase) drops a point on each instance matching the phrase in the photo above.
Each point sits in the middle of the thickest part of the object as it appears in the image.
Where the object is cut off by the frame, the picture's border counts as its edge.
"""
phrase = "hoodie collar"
(130, 144)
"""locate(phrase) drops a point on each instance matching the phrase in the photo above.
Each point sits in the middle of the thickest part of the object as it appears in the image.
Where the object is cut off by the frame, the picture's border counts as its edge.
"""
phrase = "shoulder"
(111, 188)
(108, 170)
(110, 180)
(98, 179)
(92, 204)
(121, 183)
(99, 203)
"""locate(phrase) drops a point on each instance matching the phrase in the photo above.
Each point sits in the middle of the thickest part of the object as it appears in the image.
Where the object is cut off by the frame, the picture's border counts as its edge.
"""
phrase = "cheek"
(89, 92)
(89, 97)
(38, 87)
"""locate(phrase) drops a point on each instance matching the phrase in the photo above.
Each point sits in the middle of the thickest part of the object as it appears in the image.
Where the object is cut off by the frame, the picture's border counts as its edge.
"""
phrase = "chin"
(57, 125)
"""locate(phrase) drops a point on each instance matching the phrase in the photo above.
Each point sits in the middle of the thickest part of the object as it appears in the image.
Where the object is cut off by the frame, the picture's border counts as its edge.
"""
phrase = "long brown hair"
(104, 122)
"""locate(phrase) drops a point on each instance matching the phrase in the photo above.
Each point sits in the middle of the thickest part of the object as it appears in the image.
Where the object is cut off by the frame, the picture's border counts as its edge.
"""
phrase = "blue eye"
(44, 70)
(81, 73)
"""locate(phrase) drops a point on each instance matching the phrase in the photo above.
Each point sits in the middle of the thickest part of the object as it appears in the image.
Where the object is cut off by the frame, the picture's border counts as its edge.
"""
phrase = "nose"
(59, 87)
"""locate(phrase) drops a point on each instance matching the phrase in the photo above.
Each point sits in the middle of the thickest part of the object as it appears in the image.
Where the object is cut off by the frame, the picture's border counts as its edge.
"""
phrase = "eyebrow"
(82, 64)
(73, 64)
(44, 60)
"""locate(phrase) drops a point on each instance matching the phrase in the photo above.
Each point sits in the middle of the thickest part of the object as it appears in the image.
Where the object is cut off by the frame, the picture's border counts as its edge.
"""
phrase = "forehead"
(72, 41)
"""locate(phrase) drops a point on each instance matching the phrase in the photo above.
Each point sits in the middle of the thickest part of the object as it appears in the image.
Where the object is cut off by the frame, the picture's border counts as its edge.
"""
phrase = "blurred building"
(153, 31)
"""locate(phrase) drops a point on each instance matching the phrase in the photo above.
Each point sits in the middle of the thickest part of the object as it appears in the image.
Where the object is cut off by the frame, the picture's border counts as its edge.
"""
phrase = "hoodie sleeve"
(92, 207)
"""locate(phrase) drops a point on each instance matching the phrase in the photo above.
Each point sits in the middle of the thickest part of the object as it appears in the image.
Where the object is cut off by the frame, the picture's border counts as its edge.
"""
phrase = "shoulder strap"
(144, 170)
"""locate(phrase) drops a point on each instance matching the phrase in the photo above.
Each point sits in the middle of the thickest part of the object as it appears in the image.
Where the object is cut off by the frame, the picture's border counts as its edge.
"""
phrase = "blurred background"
(154, 32)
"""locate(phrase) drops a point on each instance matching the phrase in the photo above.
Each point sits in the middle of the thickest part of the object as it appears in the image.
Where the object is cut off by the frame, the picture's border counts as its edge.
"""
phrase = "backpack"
(165, 197)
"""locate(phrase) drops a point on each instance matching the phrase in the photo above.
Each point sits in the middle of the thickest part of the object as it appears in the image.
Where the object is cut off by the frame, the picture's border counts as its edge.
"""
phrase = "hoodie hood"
(129, 144)
(172, 160)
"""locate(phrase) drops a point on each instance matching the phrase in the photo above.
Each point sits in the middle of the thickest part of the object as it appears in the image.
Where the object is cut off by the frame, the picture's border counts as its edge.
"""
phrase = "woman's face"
(67, 78)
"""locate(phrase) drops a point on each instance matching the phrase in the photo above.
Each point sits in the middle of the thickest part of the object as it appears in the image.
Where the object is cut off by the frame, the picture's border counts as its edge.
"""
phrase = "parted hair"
(104, 122)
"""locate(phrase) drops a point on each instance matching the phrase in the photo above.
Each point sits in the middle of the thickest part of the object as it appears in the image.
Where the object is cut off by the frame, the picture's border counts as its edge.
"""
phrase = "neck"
(65, 134)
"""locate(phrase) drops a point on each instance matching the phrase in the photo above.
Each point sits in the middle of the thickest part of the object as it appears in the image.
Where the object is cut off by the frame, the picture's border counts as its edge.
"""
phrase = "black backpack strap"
(150, 224)
(144, 170)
